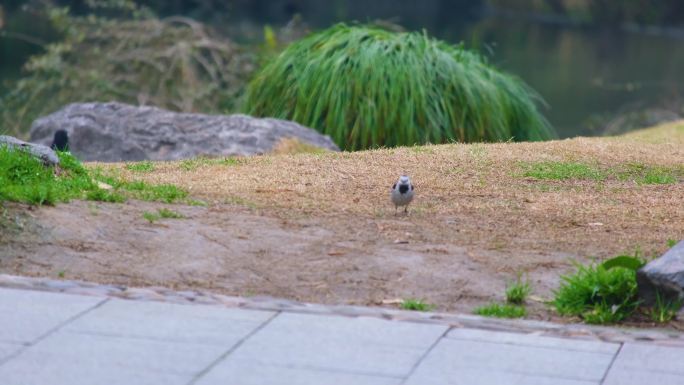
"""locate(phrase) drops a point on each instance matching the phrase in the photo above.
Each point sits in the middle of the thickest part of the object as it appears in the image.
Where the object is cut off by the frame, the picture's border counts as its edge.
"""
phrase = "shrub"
(176, 63)
(366, 87)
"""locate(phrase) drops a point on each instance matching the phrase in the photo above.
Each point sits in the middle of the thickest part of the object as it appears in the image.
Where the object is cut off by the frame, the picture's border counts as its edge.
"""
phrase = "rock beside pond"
(664, 275)
(113, 132)
(42, 153)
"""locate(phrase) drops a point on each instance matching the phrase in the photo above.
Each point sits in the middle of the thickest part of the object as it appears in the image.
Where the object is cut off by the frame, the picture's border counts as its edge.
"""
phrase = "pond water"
(587, 76)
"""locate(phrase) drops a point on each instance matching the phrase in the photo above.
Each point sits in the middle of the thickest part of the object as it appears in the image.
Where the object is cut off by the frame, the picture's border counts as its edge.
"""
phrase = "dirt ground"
(320, 227)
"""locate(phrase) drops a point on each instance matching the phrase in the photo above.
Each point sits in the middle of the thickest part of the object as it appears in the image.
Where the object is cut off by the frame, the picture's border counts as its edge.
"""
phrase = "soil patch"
(320, 227)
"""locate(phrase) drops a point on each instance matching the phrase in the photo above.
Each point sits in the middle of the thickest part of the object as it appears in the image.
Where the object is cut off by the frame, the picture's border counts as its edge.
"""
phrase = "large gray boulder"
(40, 152)
(663, 275)
(111, 132)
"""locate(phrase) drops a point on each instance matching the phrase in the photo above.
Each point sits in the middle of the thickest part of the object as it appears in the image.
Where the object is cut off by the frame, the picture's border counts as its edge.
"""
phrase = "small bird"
(61, 141)
(402, 193)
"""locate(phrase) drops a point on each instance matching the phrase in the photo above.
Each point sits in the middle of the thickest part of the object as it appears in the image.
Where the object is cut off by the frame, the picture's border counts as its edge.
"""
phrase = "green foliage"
(167, 193)
(170, 214)
(145, 166)
(25, 179)
(644, 174)
(367, 87)
(597, 294)
(671, 243)
(625, 261)
(658, 176)
(517, 292)
(416, 304)
(561, 171)
(175, 63)
(664, 310)
(105, 196)
(151, 217)
(162, 213)
(501, 310)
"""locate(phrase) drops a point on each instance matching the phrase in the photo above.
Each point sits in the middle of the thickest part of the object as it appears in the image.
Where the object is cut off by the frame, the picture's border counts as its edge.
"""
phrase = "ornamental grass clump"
(599, 294)
(369, 87)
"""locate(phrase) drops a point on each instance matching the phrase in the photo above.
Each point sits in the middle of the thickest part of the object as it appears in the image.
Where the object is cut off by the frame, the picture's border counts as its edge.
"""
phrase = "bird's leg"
(406, 209)
(395, 209)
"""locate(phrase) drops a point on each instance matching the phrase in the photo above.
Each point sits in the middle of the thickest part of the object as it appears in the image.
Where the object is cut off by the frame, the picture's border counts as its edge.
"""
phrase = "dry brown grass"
(467, 193)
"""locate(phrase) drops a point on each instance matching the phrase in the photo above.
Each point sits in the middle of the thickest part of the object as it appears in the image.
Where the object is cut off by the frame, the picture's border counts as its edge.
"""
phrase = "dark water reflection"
(587, 76)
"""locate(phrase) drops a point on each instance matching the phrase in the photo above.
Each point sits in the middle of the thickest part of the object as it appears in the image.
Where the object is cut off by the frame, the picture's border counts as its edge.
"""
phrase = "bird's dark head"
(60, 141)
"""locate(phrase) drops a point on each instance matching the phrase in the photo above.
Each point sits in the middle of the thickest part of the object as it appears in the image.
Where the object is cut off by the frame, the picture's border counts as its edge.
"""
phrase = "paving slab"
(534, 340)
(638, 364)
(48, 338)
(9, 349)
(248, 373)
(27, 315)
(199, 324)
(66, 358)
(486, 362)
(361, 345)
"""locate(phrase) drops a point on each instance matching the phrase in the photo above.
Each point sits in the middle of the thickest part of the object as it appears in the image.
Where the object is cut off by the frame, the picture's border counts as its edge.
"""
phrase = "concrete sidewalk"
(53, 338)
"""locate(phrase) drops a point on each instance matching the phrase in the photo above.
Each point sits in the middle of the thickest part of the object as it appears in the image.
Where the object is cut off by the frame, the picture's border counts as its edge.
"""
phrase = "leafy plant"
(517, 292)
(416, 304)
(598, 294)
(367, 87)
(625, 261)
(501, 310)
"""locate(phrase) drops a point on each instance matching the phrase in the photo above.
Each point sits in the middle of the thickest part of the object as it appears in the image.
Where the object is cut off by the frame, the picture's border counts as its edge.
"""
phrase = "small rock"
(42, 153)
(664, 275)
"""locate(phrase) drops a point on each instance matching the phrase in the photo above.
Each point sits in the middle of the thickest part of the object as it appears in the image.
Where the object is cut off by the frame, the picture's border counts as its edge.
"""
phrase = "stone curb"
(578, 331)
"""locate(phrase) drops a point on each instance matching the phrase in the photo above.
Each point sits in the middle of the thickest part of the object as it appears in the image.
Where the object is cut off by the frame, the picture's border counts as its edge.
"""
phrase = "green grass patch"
(201, 161)
(151, 217)
(552, 170)
(664, 310)
(166, 193)
(105, 196)
(658, 176)
(644, 174)
(501, 310)
(162, 213)
(517, 292)
(597, 294)
(145, 166)
(25, 179)
(416, 304)
(170, 214)
(367, 87)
